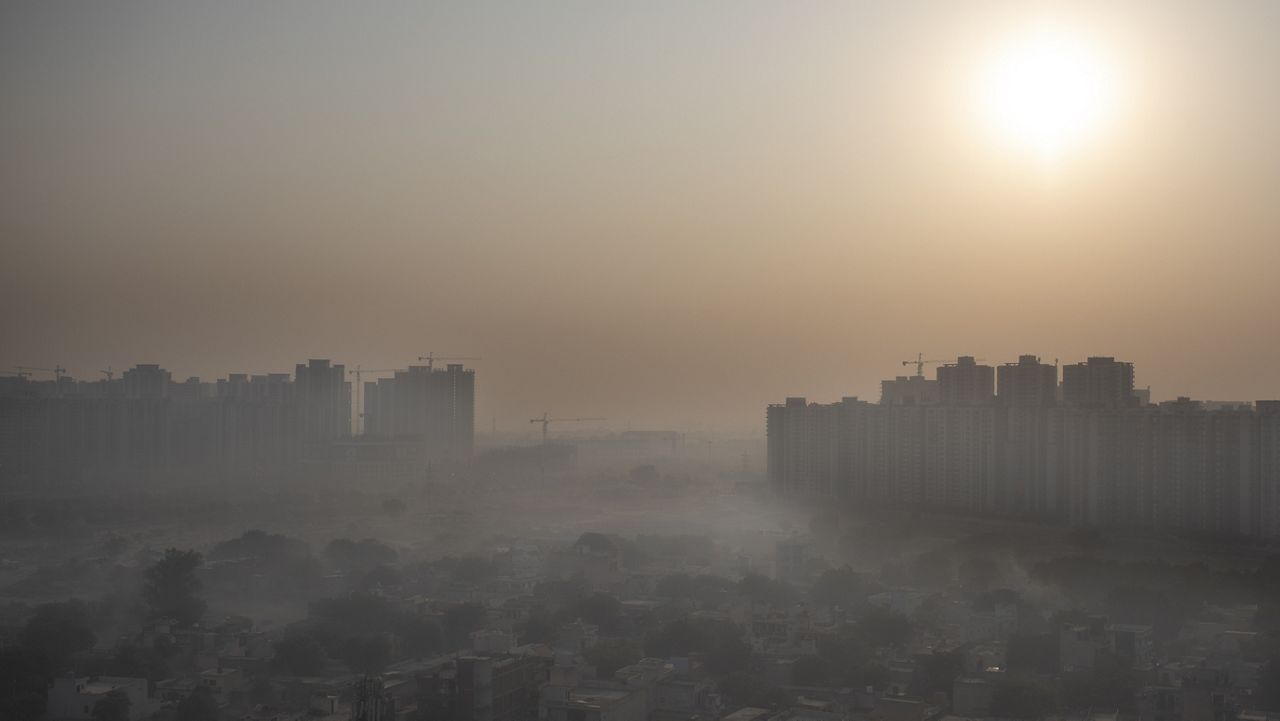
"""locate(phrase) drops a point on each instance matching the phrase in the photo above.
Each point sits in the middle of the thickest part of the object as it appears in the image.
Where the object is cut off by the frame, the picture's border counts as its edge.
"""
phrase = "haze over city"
(878, 360)
(661, 214)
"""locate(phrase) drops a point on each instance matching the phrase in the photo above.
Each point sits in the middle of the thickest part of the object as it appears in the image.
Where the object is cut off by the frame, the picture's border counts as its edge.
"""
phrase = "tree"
(825, 525)
(299, 654)
(262, 692)
(610, 655)
(350, 555)
(24, 680)
(596, 542)
(1088, 540)
(113, 706)
(600, 609)
(881, 628)
(57, 631)
(1028, 654)
(366, 654)
(938, 671)
(137, 661)
(1269, 684)
(459, 621)
(931, 569)
(385, 576)
(811, 671)
(356, 613)
(744, 689)
(766, 590)
(468, 570)
(704, 589)
(719, 641)
(676, 585)
(419, 636)
(1018, 699)
(843, 648)
(839, 587)
(980, 573)
(538, 628)
(171, 588)
(199, 706)
(1111, 684)
(1166, 612)
(647, 473)
(260, 545)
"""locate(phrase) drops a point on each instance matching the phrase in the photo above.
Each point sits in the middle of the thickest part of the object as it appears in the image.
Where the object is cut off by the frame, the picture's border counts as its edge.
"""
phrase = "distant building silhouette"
(144, 427)
(1099, 381)
(430, 405)
(1099, 457)
(146, 381)
(908, 391)
(1027, 383)
(966, 383)
(324, 401)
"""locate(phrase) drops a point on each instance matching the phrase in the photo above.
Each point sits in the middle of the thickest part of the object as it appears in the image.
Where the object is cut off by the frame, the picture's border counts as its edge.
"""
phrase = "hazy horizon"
(667, 215)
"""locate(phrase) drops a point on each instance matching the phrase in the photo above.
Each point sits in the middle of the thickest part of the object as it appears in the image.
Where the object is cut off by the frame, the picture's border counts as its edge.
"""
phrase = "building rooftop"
(597, 698)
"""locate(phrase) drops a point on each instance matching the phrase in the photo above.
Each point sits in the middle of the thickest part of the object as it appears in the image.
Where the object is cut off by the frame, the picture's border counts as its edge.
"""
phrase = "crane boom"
(359, 372)
(920, 360)
(431, 358)
(546, 420)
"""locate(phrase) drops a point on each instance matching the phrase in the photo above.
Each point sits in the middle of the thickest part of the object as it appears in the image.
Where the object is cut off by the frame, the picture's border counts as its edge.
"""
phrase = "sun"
(1046, 90)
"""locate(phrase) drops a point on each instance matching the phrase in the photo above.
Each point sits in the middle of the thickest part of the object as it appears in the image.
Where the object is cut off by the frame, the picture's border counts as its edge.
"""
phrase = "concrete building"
(324, 401)
(1026, 392)
(1099, 381)
(908, 391)
(1027, 383)
(490, 687)
(145, 428)
(146, 380)
(435, 407)
(802, 448)
(966, 383)
(1096, 458)
(592, 703)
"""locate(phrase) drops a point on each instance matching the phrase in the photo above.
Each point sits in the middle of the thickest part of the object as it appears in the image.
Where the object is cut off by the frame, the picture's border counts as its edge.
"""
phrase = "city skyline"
(369, 377)
(1013, 441)
(698, 201)
(738, 360)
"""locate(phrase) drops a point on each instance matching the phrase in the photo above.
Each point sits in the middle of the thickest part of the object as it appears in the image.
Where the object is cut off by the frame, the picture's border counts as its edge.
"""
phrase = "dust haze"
(884, 361)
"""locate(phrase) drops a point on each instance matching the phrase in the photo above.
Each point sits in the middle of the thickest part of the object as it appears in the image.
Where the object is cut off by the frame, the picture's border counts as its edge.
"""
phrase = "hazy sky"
(662, 213)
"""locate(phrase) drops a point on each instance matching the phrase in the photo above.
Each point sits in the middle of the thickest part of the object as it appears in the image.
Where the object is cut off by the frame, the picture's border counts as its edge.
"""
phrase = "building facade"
(1090, 455)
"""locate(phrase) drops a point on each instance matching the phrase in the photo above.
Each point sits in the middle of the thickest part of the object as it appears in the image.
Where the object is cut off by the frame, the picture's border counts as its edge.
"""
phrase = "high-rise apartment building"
(428, 404)
(1027, 383)
(966, 383)
(803, 449)
(1099, 381)
(1098, 458)
(908, 391)
(324, 401)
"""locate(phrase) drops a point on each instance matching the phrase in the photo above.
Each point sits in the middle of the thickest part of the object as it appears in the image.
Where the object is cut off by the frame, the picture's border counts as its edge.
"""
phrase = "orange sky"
(662, 214)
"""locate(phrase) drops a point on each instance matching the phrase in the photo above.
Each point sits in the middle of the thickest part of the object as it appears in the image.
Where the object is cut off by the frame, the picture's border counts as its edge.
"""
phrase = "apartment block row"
(145, 426)
(1013, 440)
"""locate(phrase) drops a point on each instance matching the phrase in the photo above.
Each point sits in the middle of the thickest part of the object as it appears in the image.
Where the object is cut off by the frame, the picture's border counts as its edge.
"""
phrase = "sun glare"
(1046, 91)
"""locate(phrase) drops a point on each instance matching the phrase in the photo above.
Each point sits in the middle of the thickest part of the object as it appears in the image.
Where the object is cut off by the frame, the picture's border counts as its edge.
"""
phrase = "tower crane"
(546, 421)
(359, 372)
(110, 374)
(921, 360)
(57, 371)
(431, 358)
